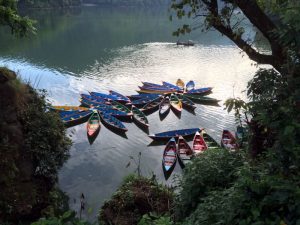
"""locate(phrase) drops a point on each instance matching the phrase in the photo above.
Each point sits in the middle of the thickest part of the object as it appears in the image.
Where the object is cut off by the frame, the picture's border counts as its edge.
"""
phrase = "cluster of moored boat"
(110, 108)
(182, 151)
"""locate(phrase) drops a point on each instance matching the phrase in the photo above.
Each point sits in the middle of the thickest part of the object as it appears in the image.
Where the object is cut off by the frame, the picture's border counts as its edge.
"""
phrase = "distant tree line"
(72, 3)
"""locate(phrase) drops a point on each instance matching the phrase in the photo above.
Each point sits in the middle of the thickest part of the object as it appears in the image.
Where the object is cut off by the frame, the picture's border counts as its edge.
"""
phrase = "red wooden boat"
(93, 125)
(199, 144)
(229, 141)
(169, 156)
(184, 150)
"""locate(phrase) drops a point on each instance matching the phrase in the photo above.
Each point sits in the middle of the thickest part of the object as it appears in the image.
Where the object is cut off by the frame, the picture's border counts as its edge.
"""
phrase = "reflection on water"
(109, 49)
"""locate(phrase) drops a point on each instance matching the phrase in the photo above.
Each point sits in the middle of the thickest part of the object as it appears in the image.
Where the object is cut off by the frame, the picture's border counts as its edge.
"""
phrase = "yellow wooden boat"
(180, 83)
(68, 108)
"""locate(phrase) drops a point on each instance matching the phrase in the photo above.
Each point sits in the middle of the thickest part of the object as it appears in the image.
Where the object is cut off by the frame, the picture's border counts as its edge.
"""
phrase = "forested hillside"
(73, 3)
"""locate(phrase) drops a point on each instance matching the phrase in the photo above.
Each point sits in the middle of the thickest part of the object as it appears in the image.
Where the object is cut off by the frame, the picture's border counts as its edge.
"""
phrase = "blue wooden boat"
(112, 122)
(163, 88)
(105, 96)
(200, 91)
(144, 95)
(93, 98)
(169, 156)
(190, 85)
(63, 114)
(174, 133)
(121, 97)
(152, 84)
(143, 101)
(171, 86)
(77, 117)
(113, 112)
(91, 104)
(161, 92)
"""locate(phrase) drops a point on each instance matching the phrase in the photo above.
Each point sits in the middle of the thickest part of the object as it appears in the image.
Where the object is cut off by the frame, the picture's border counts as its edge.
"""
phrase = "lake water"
(101, 49)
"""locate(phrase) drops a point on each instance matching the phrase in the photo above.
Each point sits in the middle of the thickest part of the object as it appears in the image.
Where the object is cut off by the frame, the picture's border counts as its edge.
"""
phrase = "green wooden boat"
(151, 106)
(211, 143)
(93, 124)
(199, 98)
(120, 107)
(186, 102)
(139, 116)
(176, 104)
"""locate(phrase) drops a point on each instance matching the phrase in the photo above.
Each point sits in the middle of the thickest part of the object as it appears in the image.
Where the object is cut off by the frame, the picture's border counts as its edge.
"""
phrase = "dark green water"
(98, 49)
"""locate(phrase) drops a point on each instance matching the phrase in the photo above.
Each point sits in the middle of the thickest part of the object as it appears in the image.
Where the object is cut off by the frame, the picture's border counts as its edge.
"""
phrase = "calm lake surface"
(101, 49)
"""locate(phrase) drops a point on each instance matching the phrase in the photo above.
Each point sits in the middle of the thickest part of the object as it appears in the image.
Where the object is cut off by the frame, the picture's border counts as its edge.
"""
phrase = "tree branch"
(265, 25)
(216, 22)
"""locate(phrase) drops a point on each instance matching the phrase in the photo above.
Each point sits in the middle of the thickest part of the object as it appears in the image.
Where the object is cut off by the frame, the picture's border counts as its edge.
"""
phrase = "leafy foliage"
(33, 147)
(137, 196)
(69, 217)
(256, 197)
(215, 169)
(9, 16)
(265, 186)
(155, 220)
(45, 137)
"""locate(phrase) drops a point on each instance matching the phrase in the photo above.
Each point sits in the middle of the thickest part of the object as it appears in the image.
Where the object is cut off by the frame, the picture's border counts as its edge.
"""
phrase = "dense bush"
(69, 217)
(255, 198)
(136, 197)
(45, 137)
(33, 146)
(214, 170)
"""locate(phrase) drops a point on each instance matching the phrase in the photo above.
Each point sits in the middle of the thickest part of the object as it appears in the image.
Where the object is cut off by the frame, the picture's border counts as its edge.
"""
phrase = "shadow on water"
(168, 173)
(177, 113)
(93, 138)
(190, 110)
(158, 143)
(116, 131)
(76, 122)
(143, 128)
(126, 119)
(181, 163)
(216, 104)
(150, 111)
(163, 116)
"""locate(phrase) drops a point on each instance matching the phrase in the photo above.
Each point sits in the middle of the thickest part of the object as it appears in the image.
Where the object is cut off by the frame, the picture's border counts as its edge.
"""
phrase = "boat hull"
(93, 125)
(169, 157)
(199, 145)
(174, 133)
(229, 141)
